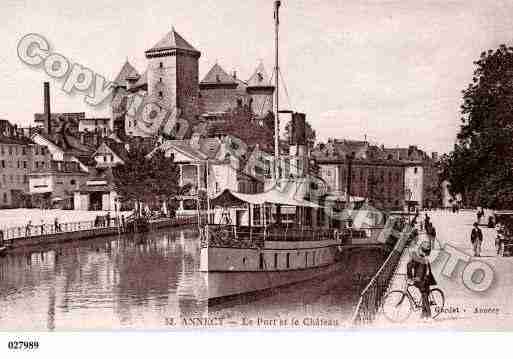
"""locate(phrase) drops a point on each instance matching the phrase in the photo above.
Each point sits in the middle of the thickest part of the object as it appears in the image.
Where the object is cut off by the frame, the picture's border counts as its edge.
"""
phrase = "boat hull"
(246, 286)
(235, 272)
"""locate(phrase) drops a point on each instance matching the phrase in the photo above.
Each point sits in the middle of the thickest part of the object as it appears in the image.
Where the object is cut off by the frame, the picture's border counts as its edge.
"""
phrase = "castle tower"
(172, 74)
(261, 91)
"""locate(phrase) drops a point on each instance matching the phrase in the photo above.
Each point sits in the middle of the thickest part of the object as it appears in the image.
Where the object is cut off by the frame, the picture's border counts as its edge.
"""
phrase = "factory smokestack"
(47, 112)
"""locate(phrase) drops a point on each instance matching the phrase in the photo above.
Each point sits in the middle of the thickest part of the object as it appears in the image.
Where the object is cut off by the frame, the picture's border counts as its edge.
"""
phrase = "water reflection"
(117, 282)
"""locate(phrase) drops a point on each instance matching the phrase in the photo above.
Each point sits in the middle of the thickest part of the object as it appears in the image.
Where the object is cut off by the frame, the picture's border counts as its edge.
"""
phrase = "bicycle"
(399, 304)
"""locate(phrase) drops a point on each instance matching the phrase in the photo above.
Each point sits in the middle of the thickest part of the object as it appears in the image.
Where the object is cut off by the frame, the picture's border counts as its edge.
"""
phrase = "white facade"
(330, 174)
(414, 184)
(56, 152)
(102, 125)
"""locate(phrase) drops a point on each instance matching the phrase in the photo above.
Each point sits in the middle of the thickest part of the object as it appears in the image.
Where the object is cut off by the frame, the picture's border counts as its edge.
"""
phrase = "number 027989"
(23, 345)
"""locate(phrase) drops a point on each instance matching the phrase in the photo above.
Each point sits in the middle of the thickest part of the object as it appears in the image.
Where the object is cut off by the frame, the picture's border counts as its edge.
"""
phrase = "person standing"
(28, 228)
(57, 225)
(476, 238)
(480, 214)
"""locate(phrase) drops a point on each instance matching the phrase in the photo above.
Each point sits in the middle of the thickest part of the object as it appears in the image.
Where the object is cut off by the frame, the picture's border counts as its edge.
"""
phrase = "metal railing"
(37, 230)
(370, 300)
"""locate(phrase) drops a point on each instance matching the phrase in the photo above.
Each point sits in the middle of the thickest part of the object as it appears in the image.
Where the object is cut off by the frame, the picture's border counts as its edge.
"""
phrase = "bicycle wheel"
(436, 302)
(397, 306)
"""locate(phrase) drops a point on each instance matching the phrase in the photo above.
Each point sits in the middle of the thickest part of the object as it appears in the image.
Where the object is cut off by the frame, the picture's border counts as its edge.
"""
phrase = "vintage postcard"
(264, 165)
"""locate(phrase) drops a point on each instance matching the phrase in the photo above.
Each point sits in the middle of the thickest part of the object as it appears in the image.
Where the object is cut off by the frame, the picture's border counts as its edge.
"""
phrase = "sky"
(391, 71)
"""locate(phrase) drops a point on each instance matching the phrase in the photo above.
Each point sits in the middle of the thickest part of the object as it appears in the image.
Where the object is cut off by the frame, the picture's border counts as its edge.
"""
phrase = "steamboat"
(265, 241)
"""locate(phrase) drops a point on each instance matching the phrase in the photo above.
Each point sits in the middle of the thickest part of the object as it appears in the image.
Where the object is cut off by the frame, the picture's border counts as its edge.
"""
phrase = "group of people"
(476, 236)
(29, 226)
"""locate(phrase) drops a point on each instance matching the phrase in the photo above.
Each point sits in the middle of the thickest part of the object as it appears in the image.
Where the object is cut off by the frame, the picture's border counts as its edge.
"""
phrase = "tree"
(148, 179)
(481, 165)
(310, 133)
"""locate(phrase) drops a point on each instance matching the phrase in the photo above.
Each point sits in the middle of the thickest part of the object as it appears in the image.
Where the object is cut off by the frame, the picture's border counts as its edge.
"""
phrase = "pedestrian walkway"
(464, 308)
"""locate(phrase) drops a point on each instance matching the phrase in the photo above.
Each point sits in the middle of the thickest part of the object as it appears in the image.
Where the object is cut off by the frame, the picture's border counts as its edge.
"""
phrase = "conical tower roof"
(171, 41)
(217, 75)
(126, 71)
(259, 77)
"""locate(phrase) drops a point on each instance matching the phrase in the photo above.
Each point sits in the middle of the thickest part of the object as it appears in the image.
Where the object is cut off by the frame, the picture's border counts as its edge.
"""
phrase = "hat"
(425, 247)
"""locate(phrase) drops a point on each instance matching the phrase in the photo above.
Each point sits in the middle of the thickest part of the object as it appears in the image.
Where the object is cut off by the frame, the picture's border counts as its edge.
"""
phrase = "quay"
(18, 237)
(465, 307)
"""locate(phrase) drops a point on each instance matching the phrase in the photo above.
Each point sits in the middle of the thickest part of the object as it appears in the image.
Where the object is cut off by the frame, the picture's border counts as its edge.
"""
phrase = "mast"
(277, 4)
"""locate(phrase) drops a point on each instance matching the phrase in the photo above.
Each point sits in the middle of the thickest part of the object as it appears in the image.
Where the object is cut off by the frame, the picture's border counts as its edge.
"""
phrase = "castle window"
(160, 79)
(161, 94)
(161, 65)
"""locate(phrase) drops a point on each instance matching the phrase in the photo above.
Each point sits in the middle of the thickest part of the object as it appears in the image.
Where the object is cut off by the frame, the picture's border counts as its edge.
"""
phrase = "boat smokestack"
(47, 111)
(297, 149)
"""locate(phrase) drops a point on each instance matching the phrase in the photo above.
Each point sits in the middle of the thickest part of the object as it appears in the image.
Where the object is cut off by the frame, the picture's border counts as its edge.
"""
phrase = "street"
(464, 308)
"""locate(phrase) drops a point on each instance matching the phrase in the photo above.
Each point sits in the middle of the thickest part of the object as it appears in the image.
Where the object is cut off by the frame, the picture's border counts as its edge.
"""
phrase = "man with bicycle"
(419, 274)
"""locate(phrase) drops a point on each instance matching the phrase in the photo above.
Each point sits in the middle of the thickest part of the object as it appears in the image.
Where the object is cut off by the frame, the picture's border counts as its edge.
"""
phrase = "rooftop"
(171, 41)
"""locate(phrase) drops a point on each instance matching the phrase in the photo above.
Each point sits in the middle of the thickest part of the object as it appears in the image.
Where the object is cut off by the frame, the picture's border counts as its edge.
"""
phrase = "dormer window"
(218, 79)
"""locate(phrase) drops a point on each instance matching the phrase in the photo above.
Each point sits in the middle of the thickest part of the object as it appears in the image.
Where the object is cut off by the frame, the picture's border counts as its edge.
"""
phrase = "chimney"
(47, 112)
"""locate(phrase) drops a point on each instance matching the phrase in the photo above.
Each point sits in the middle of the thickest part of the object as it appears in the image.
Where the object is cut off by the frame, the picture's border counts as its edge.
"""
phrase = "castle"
(171, 82)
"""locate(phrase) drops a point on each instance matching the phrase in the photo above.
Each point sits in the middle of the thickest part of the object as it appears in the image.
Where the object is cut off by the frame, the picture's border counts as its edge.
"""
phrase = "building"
(171, 83)
(210, 164)
(101, 125)
(19, 156)
(392, 178)
(98, 192)
(379, 180)
(422, 187)
(54, 185)
(221, 92)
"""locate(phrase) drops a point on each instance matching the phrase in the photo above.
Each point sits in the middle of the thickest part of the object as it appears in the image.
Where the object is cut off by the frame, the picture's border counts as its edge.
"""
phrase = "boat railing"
(232, 235)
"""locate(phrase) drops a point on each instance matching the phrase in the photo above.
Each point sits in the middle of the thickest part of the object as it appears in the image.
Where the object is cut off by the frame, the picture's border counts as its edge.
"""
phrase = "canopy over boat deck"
(229, 198)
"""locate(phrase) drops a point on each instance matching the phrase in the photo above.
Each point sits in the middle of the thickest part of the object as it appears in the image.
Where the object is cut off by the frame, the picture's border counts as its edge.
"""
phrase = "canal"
(136, 282)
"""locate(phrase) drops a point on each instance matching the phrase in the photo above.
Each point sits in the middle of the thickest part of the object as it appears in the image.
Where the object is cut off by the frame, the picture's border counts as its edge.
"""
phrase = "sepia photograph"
(299, 166)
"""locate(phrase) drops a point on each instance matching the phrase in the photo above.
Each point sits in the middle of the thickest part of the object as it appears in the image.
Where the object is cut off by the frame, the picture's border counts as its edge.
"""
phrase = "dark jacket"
(420, 272)
(476, 234)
